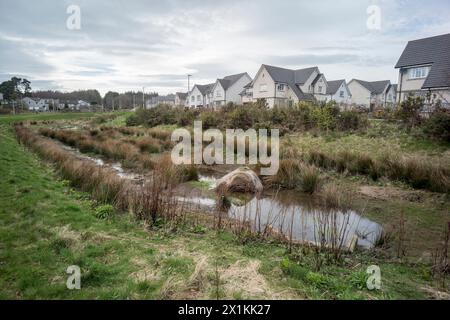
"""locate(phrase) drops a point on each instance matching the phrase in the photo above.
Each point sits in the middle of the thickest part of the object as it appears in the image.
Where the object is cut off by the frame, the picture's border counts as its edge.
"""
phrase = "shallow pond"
(116, 166)
(295, 215)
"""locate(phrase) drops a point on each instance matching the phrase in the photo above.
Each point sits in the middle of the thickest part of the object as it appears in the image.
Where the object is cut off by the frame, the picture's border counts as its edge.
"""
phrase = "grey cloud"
(312, 59)
(17, 58)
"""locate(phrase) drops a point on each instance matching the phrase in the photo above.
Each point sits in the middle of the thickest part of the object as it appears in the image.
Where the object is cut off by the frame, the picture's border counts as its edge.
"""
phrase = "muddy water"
(307, 222)
(115, 166)
(297, 216)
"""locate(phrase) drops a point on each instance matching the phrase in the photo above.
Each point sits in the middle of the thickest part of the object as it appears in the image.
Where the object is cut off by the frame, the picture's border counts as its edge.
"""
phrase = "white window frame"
(342, 94)
(281, 87)
(418, 73)
(263, 88)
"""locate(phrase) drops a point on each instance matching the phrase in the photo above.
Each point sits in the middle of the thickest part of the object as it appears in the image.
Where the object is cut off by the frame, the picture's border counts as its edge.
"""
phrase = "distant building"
(373, 94)
(40, 105)
(81, 104)
(154, 101)
(201, 96)
(180, 98)
(228, 89)
(283, 87)
(339, 92)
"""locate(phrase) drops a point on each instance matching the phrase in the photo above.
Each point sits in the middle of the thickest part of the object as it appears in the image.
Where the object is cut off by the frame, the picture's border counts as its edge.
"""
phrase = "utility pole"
(189, 82)
(134, 101)
(143, 97)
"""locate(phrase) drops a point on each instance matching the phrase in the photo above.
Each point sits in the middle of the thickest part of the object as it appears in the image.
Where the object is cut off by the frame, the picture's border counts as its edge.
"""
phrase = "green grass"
(45, 226)
(45, 116)
(380, 138)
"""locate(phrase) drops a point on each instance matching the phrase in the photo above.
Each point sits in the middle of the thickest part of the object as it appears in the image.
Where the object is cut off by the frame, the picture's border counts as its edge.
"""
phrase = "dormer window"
(280, 87)
(418, 73)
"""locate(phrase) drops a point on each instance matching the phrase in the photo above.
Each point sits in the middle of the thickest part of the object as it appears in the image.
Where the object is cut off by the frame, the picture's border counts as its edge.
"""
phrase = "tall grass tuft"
(418, 172)
(295, 174)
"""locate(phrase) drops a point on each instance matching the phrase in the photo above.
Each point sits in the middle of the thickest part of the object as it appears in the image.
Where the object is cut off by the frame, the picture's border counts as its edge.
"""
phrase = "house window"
(199, 98)
(192, 98)
(320, 89)
(263, 88)
(341, 94)
(418, 73)
(280, 87)
(218, 94)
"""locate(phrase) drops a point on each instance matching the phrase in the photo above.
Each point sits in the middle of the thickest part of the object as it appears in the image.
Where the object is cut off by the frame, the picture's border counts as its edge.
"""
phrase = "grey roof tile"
(334, 85)
(292, 78)
(206, 88)
(434, 51)
(375, 87)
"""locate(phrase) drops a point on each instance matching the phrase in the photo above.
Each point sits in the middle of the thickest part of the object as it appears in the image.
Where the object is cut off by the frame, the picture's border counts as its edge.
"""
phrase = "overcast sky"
(124, 45)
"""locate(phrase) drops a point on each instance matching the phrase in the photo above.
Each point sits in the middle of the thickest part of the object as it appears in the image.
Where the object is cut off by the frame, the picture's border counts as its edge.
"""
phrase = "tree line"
(18, 88)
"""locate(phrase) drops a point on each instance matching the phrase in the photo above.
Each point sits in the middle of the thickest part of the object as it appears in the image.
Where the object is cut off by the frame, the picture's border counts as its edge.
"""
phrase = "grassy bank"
(47, 226)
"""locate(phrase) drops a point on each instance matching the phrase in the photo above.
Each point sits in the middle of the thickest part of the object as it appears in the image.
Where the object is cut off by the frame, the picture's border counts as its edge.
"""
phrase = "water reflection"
(298, 217)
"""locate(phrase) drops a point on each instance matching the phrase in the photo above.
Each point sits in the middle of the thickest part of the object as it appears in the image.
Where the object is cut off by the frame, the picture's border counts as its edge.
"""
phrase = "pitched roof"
(182, 95)
(375, 87)
(205, 89)
(334, 85)
(434, 51)
(292, 78)
(249, 85)
(228, 81)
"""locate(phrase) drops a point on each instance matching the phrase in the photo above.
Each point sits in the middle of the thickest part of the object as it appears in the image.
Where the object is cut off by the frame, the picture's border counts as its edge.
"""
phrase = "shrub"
(210, 119)
(161, 114)
(351, 120)
(438, 125)
(241, 118)
(409, 111)
(186, 117)
(325, 116)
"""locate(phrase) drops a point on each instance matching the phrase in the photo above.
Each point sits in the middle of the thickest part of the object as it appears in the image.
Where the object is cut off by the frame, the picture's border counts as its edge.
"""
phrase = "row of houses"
(42, 105)
(282, 87)
(424, 70)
